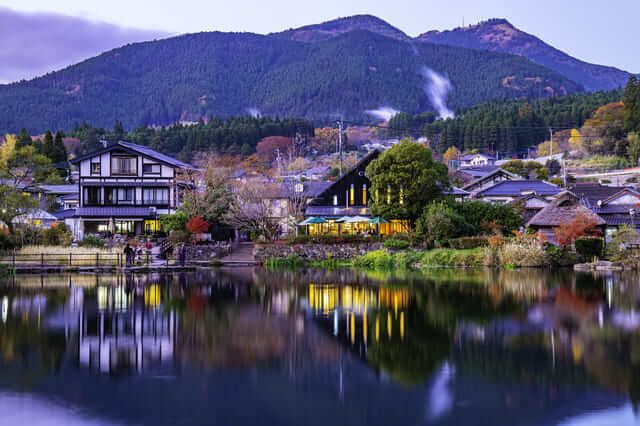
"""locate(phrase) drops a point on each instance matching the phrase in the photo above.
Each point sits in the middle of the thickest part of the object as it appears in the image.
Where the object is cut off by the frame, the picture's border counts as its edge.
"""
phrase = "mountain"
(498, 35)
(228, 74)
(336, 27)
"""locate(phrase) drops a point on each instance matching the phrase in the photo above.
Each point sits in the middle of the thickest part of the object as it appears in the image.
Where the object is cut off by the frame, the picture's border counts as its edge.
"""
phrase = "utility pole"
(551, 141)
(340, 144)
(278, 160)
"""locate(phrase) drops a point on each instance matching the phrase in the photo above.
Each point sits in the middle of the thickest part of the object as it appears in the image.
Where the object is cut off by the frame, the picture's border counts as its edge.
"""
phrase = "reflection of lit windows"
(103, 298)
(5, 308)
(352, 195)
(364, 194)
(335, 200)
(388, 194)
(152, 295)
(120, 299)
(401, 195)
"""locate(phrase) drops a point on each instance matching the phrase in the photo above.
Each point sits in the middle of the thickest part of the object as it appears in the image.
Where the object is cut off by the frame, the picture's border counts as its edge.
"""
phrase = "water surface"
(315, 347)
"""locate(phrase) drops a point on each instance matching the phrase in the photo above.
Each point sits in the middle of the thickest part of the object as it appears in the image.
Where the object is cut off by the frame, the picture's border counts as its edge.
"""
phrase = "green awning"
(312, 221)
(378, 220)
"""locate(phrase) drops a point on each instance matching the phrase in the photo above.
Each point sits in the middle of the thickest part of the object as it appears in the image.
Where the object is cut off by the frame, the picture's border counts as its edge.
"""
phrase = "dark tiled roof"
(615, 209)
(74, 196)
(155, 154)
(490, 176)
(477, 171)
(591, 192)
(327, 211)
(114, 212)
(128, 184)
(139, 149)
(64, 214)
(58, 189)
(515, 188)
(621, 219)
(455, 191)
(468, 157)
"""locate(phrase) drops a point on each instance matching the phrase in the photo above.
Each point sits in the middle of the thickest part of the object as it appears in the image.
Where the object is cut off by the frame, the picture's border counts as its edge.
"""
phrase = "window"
(124, 166)
(95, 167)
(299, 188)
(364, 194)
(151, 226)
(158, 196)
(124, 226)
(117, 196)
(92, 196)
(335, 200)
(151, 169)
(352, 195)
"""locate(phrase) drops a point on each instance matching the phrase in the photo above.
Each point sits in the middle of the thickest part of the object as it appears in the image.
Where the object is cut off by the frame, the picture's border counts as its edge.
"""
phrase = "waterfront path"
(241, 255)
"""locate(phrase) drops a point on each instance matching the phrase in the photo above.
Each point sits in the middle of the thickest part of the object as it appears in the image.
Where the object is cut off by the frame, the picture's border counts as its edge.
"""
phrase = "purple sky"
(34, 44)
(38, 36)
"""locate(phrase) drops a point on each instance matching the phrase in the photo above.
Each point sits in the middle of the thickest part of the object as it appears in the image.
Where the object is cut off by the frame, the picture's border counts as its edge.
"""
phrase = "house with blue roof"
(509, 190)
(124, 187)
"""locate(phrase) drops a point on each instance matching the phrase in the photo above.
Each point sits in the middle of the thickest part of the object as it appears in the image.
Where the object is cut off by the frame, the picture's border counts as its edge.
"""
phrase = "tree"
(526, 169)
(631, 101)
(251, 212)
(197, 225)
(214, 199)
(404, 179)
(268, 146)
(59, 152)
(452, 153)
(634, 148)
(567, 232)
(553, 167)
(14, 202)
(22, 165)
(47, 145)
(545, 147)
(575, 141)
(24, 138)
(439, 222)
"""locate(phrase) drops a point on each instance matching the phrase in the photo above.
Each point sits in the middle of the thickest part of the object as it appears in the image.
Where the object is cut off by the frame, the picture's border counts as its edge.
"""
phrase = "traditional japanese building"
(124, 187)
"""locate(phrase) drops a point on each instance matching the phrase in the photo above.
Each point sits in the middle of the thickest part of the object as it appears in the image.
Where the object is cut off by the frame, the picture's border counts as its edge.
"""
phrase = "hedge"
(589, 247)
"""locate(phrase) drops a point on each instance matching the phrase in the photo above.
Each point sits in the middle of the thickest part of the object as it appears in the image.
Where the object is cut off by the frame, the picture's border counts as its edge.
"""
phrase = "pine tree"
(632, 105)
(47, 145)
(23, 139)
(59, 150)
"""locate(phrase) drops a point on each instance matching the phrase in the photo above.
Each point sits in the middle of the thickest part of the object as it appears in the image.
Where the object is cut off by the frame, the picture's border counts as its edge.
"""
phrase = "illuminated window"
(364, 194)
(95, 167)
(388, 194)
(151, 225)
(335, 200)
(352, 195)
(299, 188)
(124, 226)
(401, 195)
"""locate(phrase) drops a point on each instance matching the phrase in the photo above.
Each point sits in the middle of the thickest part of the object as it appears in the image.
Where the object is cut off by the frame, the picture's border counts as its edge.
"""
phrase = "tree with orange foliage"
(567, 232)
(197, 225)
(267, 147)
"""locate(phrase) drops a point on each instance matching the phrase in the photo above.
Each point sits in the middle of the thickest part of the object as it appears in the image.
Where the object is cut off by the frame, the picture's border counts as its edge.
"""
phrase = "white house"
(475, 160)
(124, 187)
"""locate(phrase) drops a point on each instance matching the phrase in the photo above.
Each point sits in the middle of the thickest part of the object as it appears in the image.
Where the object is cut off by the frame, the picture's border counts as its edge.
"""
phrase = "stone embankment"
(314, 252)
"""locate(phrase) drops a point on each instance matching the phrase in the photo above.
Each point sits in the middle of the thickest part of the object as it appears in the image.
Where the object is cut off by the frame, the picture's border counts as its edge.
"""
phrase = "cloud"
(36, 43)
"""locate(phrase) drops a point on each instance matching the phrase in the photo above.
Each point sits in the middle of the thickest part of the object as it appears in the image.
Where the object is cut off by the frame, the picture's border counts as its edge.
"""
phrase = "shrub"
(615, 249)
(57, 235)
(581, 225)
(406, 259)
(466, 242)
(177, 237)
(380, 259)
(197, 225)
(174, 222)
(450, 257)
(559, 256)
(524, 250)
(439, 222)
(7, 242)
(589, 247)
(394, 244)
(92, 241)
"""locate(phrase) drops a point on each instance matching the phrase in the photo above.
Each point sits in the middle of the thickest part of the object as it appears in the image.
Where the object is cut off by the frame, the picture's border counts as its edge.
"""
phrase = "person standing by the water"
(128, 254)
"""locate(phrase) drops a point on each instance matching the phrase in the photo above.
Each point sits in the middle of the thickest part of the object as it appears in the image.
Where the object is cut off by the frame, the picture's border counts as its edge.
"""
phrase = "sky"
(594, 31)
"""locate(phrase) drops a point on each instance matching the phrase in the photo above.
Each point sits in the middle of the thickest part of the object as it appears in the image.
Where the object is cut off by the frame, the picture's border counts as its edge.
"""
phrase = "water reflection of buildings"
(128, 330)
(363, 313)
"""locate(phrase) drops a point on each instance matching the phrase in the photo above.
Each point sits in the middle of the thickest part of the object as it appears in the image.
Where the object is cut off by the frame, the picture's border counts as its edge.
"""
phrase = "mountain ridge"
(498, 34)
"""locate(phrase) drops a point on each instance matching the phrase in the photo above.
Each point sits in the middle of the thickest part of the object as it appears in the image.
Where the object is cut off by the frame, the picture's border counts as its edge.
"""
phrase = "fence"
(97, 260)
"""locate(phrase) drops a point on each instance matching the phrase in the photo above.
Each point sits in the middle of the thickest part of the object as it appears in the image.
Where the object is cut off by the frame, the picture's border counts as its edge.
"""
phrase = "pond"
(317, 347)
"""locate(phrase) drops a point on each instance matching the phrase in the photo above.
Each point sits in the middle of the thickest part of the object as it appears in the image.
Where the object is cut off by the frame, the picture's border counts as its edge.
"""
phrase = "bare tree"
(249, 211)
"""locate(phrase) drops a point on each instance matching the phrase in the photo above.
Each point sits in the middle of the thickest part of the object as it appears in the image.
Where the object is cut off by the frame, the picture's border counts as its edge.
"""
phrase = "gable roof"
(365, 160)
(563, 209)
(497, 171)
(619, 194)
(138, 149)
(467, 157)
(516, 188)
(591, 192)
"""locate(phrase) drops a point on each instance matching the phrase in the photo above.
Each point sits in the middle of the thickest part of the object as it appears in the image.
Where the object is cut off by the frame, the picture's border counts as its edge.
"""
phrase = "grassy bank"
(437, 258)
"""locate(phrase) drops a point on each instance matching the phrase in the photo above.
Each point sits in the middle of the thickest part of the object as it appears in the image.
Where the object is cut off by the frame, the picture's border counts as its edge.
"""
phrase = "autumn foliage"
(582, 225)
(267, 146)
(197, 225)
